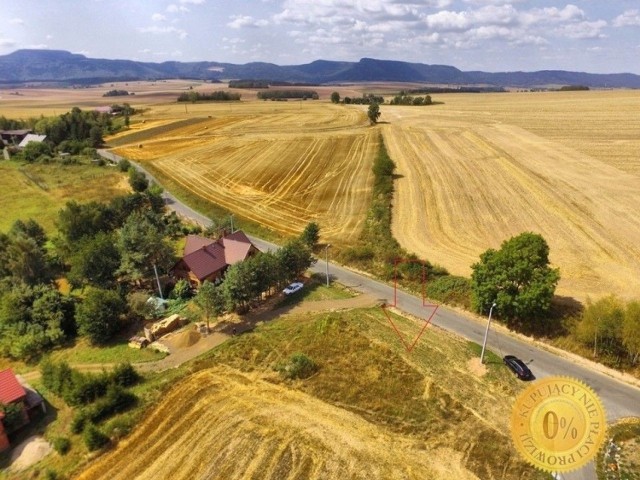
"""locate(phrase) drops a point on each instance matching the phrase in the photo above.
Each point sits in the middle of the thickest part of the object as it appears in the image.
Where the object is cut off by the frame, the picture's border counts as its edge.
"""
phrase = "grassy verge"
(315, 290)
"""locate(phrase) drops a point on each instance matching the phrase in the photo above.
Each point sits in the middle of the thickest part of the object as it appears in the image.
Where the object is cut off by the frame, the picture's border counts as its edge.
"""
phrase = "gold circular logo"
(558, 424)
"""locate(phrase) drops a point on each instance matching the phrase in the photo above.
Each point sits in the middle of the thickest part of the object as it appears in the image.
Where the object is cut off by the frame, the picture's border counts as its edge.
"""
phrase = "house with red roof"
(11, 392)
(15, 391)
(207, 259)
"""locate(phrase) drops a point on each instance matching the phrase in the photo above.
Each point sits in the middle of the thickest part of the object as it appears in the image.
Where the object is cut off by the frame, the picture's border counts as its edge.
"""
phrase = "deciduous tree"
(517, 277)
(373, 113)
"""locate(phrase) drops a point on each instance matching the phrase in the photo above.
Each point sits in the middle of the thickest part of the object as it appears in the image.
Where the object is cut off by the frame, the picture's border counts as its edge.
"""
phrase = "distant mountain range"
(23, 66)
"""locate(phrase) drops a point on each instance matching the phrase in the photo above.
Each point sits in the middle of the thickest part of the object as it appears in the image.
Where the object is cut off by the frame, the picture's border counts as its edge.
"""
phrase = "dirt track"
(223, 424)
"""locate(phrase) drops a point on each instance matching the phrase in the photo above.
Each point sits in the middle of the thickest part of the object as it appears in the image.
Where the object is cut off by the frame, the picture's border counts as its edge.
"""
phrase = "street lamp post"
(326, 259)
(231, 217)
(486, 333)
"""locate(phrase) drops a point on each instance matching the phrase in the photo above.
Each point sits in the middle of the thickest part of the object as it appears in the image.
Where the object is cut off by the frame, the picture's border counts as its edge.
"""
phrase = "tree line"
(284, 94)
(218, 96)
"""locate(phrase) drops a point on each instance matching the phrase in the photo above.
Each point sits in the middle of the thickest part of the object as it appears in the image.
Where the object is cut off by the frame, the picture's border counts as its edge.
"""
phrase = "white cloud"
(16, 21)
(630, 18)
(158, 17)
(157, 30)
(38, 46)
(173, 8)
(243, 21)
(192, 2)
(583, 30)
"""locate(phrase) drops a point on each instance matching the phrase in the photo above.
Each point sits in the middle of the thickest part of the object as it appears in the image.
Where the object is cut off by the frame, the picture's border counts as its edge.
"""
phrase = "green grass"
(39, 191)
(316, 290)
(82, 352)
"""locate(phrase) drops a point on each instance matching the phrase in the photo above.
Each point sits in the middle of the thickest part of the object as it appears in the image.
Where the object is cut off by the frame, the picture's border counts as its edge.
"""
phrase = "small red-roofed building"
(11, 393)
(207, 259)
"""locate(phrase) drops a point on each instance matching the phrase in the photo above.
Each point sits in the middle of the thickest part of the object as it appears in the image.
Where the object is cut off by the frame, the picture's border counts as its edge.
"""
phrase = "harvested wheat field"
(222, 423)
(280, 164)
(482, 168)
(371, 410)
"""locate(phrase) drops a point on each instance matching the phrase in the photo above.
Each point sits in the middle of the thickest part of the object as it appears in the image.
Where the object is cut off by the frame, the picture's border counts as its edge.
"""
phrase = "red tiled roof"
(10, 388)
(205, 256)
(196, 242)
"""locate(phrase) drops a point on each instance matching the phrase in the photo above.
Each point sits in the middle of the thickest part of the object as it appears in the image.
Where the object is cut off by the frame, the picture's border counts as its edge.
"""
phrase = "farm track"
(221, 423)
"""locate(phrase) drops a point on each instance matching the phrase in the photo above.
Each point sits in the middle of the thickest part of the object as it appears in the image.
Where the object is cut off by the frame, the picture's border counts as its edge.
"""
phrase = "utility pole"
(158, 281)
(326, 259)
(486, 333)
(231, 217)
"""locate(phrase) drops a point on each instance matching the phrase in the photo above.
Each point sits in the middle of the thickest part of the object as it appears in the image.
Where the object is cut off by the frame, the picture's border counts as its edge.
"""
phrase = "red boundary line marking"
(395, 303)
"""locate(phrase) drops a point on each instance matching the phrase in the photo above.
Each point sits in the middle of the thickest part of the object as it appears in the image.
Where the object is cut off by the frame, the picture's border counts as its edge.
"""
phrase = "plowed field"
(278, 164)
(482, 168)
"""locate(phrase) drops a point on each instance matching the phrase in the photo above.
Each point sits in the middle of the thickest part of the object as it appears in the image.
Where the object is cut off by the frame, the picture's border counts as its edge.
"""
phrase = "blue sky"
(492, 35)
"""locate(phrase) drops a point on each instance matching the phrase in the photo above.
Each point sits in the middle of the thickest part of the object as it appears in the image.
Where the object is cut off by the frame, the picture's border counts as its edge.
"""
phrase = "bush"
(124, 375)
(115, 401)
(78, 422)
(51, 475)
(124, 165)
(451, 289)
(182, 290)
(62, 445)
(300, 366)
(93, 438)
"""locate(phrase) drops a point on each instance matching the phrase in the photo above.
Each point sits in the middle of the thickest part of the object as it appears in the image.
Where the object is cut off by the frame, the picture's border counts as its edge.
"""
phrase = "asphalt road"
(620, 399)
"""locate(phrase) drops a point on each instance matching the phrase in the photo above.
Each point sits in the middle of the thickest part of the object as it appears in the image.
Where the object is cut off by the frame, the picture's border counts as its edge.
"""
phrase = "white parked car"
(293, 288)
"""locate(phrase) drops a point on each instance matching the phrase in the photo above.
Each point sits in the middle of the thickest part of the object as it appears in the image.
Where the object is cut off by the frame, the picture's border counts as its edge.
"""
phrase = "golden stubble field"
(482, 168)
(473, 170)
(281, 164)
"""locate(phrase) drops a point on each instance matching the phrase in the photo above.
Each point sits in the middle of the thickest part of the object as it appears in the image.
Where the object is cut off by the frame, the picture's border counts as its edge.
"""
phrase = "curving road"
(620, 399)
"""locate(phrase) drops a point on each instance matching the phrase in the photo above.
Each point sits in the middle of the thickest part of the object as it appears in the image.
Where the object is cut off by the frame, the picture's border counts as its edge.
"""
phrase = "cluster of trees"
(219, 96)
(366, 99)
(245, 282)
(11, 124)
(84, 127)
(284, 94)
(117, 93)
(96, 397)
(249, 84)
(403, 98)
(612, 329)
(104, 249)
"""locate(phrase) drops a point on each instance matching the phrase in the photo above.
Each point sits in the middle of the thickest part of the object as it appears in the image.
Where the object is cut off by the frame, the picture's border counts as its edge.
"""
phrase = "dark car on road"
(518, 367)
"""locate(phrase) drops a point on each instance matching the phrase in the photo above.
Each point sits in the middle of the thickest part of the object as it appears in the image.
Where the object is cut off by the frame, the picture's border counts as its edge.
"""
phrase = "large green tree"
(142, 245)
(517, 277)
(98, 315)
(94, 261)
